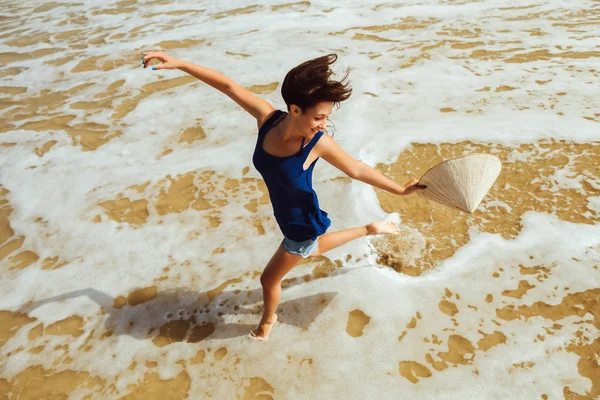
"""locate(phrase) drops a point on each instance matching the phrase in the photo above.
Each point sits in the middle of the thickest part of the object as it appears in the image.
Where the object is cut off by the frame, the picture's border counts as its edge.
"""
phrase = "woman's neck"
(288, 133)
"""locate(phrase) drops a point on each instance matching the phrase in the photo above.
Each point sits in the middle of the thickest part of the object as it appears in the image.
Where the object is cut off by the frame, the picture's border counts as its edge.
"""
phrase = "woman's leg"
(332, 240)
(283, 261)
(280, 264)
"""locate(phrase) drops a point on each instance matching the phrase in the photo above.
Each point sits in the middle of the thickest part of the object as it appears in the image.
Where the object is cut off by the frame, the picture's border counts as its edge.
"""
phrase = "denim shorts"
(304, 248)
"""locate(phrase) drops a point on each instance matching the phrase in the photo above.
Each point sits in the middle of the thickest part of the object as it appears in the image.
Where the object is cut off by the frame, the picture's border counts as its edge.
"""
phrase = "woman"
(288, 146)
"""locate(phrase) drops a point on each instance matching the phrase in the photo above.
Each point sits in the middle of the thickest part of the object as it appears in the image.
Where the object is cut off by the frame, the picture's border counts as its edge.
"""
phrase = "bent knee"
(267, 280)
(318, 251)
(315, 253)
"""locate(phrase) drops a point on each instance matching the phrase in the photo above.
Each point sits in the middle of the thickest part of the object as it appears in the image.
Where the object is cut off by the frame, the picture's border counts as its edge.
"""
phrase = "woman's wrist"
(179, 63)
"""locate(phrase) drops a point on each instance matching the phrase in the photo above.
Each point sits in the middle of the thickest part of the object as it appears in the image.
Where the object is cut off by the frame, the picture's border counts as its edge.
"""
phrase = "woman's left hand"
(167, 61)
(412, 186)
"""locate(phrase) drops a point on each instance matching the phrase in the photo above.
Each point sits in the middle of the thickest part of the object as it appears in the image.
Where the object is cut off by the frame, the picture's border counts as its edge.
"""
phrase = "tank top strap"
(313, 142)
(269, 122)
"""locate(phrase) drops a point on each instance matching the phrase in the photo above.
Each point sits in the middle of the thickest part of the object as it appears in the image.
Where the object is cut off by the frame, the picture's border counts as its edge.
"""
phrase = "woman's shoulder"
(267, 116)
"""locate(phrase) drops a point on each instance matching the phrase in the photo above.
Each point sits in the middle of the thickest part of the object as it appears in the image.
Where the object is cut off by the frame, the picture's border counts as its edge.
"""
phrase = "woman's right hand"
(167, 61)
(413, 186)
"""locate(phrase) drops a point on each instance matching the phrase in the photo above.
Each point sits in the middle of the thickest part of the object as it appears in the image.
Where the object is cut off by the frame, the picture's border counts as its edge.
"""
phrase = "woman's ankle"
(268, 320)
(370, 229)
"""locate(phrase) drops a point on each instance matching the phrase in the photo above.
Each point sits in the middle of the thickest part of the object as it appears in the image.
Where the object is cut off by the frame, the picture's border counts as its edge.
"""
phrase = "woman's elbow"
(356, 171)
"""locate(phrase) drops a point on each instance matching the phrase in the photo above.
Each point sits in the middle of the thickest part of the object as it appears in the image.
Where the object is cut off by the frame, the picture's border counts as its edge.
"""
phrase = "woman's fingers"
(149, 55)
(414, 186)
(146, 57)
(162, 66)
(416, 183)
(167, 62)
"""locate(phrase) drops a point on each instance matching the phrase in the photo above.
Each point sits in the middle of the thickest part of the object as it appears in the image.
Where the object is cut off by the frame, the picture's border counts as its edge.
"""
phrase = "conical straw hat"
(461, 182)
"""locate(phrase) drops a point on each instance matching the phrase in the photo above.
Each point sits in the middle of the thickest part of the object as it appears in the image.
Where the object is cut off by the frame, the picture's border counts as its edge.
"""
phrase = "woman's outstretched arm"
(370, 175)
(255, 106)
(331, 152)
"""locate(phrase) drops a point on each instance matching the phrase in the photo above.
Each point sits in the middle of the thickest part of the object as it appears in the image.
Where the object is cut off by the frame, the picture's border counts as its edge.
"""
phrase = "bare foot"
(382, 227)
(262, 332)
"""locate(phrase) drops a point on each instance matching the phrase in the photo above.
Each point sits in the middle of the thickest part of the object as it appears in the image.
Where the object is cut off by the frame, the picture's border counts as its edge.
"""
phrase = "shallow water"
(134, 228)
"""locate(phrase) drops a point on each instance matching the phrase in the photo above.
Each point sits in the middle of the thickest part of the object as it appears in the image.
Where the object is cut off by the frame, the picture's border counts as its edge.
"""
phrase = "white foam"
(115, 258)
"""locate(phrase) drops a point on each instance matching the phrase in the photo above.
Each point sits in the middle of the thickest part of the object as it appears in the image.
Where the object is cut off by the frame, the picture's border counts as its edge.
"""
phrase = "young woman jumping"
(287, 148)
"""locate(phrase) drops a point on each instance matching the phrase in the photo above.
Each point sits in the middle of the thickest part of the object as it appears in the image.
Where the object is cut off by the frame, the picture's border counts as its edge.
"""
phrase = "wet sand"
(134, 228)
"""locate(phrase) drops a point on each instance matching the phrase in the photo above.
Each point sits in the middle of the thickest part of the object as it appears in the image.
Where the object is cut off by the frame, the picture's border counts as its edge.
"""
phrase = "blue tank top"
(294, 201)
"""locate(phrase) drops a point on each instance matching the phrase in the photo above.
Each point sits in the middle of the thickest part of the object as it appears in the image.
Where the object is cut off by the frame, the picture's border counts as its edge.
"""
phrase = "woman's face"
(313, 119)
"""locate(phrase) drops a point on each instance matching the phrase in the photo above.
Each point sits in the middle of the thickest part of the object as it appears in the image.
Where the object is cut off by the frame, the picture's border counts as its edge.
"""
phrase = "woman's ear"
(295, 110)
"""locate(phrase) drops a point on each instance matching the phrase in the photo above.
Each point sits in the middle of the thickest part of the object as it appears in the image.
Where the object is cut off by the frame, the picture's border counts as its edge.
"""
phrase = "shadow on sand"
(183, 315)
